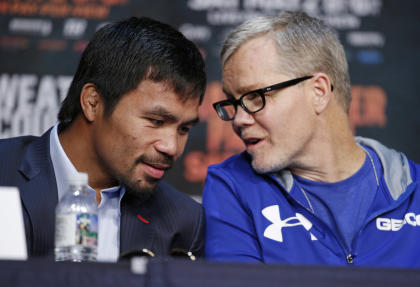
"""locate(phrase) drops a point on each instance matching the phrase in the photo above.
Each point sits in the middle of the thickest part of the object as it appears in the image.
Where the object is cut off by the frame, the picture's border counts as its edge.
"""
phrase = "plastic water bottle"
(76, 228)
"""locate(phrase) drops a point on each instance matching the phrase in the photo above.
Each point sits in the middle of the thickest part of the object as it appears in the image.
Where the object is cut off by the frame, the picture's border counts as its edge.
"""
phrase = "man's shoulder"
(11, 149)
(29, 149)
(241, 160)
(15, 143)
(415, 170)
(12, 153)
(237, 166)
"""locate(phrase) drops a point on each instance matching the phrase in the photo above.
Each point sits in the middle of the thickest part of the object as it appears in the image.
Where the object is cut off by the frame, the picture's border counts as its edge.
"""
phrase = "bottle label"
(81, 229)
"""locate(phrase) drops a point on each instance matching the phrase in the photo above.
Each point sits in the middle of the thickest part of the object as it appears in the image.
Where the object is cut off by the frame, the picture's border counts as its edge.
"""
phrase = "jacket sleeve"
(230, 233)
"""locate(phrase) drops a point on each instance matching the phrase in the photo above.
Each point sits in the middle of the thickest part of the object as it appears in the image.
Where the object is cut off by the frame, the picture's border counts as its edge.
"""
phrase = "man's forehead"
(185, 93)
(241, 84)
(246, 71)
(242, 89)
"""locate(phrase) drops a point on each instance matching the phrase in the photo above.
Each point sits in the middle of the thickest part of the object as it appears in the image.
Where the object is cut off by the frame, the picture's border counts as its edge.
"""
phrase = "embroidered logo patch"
(274, 231)
(394, 224)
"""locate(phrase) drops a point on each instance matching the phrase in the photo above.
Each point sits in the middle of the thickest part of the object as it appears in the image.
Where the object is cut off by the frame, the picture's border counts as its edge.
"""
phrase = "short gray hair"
(306, 45)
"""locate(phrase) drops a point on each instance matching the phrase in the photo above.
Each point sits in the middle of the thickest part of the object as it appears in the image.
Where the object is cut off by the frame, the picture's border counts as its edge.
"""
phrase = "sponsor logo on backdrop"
(41, 27)
(74, 27)
(342, 14)
(196, 33)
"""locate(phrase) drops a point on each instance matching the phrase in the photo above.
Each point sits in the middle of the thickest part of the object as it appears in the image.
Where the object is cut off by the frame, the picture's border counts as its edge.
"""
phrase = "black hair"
(122, 54)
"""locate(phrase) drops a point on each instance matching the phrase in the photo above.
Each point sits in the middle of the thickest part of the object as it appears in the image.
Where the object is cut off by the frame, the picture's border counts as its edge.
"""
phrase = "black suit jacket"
(169, 219)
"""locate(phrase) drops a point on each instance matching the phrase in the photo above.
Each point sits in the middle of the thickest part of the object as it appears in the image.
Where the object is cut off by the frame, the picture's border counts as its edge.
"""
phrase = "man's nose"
(242, 118)
(168, 143)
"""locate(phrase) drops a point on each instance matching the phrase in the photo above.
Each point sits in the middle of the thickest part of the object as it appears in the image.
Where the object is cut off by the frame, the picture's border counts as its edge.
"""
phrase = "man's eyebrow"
(249, 88)
(164, 113)
(242, 90)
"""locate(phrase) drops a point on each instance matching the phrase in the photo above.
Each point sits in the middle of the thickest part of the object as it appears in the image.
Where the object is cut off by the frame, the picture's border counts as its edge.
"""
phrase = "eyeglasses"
(251, 102)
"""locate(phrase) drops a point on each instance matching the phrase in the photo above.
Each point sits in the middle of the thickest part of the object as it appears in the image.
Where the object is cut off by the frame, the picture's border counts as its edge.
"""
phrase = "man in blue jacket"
(305, 191)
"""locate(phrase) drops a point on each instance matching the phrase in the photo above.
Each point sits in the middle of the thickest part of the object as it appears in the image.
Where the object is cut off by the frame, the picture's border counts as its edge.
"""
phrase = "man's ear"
(322, 92)
(90, 101)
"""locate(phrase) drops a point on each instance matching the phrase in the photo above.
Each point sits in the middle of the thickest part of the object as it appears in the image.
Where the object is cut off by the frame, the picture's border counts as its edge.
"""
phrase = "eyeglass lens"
(226, 111)
(253, 102)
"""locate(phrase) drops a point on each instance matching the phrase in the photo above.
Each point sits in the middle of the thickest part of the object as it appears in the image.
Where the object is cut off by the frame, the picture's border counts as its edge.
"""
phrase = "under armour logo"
(273, 231)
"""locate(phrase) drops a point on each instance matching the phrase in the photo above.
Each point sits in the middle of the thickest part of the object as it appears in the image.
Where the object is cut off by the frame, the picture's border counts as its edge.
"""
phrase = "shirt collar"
(64, 169)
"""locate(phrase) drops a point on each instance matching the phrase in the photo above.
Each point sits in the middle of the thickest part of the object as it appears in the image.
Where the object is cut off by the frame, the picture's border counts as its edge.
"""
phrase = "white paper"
(12, 231)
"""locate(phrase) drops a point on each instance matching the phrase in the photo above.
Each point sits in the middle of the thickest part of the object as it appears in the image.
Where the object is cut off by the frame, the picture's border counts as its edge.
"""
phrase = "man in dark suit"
(125, 120)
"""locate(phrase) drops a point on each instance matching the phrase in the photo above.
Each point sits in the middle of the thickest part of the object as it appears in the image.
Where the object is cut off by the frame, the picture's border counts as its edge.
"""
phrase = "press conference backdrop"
(41, 42)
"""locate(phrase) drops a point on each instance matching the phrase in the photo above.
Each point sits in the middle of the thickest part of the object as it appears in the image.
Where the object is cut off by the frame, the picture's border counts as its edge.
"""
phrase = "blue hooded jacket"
(253, 217)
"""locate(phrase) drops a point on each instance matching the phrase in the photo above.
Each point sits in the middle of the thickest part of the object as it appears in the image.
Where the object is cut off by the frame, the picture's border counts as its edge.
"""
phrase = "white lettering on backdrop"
(29, 103)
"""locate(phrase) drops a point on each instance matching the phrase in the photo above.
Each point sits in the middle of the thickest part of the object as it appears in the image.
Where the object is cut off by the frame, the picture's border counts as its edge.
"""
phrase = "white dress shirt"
(108, 210)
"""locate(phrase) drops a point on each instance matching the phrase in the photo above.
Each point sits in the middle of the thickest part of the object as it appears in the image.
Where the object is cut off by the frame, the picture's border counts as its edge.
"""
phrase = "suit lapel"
(136, 226)
(38, 191)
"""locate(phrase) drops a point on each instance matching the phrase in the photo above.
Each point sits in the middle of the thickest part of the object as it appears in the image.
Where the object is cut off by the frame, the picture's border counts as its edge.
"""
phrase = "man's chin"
(266, 167)
(258, 164)
(259, 169)
(141, 188)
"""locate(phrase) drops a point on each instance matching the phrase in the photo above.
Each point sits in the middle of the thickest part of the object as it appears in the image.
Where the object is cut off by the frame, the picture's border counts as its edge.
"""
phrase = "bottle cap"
(81, 178)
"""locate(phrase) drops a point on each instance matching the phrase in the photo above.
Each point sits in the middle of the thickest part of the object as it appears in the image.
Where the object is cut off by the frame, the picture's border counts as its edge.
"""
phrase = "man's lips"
(155, 170)
(251, 141)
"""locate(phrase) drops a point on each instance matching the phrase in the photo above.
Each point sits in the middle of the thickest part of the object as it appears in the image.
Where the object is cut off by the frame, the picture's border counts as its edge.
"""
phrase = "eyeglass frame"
(261, 92)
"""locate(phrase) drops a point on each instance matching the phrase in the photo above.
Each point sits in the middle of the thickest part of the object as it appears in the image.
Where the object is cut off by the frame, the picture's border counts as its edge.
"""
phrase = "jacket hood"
(395, 165)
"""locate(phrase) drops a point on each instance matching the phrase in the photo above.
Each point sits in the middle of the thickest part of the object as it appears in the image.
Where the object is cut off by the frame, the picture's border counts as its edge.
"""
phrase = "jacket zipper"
(349, 257)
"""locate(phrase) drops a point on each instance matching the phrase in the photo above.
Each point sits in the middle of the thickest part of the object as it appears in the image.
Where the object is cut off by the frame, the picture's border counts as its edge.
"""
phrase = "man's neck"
(78, 146)
(333, 155)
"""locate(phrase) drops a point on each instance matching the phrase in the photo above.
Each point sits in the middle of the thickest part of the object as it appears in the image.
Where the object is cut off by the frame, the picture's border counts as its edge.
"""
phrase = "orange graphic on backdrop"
(367, 109)
(221, 141)
(88, 9)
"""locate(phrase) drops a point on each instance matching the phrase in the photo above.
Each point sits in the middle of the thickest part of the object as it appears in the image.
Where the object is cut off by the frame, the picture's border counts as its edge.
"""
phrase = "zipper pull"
(350, 258)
